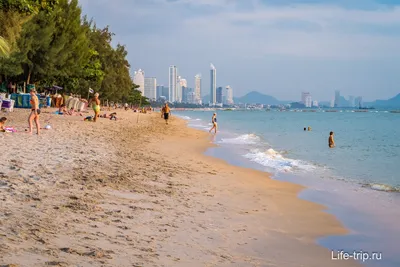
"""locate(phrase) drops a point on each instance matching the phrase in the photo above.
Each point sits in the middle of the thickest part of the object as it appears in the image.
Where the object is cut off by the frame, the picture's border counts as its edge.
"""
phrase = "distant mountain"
(253, 97)
(393, 102)
(259, 98)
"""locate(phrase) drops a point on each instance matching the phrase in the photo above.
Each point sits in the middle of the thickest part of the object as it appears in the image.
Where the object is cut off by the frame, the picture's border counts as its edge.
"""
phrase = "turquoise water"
(358, 180)
(367, 144)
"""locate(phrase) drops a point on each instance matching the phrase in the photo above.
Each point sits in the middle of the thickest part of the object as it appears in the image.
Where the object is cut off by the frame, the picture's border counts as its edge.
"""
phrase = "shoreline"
(147, 195)
(368, 214)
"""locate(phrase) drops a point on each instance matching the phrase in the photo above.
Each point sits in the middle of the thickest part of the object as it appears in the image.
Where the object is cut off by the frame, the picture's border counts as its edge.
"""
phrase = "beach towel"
(10, 129)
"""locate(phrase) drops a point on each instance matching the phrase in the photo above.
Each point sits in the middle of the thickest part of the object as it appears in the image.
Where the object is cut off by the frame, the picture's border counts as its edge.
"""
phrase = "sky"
(277, 47)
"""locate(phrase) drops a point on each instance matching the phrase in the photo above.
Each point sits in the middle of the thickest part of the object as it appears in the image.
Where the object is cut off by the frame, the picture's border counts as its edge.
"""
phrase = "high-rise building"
(159, 91)
(351, 101)
(191, 98)
(229, 95)
(172, 82)
(358, 102)
(165, 92)
(306, 99)
(213, 85)
(150, 88)
(219, 95)
(138, 79)
(332, 104)
(197, 88)
(185, 92)
(337, 98)
(178, 90)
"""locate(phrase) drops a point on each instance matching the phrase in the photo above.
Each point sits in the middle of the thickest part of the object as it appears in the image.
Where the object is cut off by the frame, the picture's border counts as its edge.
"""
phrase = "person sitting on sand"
(3, 121)
(166, 111)
(112, 116)
(331, 142)
(88, 118)
(214, 123)
(62, 109)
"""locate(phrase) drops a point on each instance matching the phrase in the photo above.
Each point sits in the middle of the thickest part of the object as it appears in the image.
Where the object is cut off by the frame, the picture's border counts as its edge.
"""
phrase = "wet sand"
(122, 193)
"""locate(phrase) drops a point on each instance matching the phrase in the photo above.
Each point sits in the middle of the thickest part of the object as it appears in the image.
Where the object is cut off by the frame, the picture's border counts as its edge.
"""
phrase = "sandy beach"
(122, 193)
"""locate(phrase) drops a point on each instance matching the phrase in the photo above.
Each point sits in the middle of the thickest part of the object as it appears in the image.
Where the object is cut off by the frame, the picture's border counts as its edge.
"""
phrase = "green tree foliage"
(4, 48)
(135, 97)
(59, 46)
(13, 13)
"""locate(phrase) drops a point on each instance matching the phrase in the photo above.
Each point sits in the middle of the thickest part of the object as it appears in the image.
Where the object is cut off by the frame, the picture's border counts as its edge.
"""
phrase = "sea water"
(358, 180)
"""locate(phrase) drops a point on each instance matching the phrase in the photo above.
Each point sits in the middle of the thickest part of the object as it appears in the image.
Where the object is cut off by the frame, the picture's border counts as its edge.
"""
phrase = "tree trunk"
(29, 76)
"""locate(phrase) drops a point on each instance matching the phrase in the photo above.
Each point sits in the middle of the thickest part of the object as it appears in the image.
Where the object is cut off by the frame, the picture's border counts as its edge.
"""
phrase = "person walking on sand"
(35, 111)
(96, 106)
(166, 112)
(214, 123)
(331, 142)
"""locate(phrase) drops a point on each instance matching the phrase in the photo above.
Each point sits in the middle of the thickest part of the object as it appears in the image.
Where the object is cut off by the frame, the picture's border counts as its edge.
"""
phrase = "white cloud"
(192, 33)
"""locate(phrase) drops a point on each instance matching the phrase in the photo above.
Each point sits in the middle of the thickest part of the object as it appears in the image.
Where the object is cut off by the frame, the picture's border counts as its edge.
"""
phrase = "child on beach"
(62, 109)
(3, 121)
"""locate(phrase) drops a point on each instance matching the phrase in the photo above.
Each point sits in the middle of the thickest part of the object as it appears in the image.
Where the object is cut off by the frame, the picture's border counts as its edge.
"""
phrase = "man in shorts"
(166, 112)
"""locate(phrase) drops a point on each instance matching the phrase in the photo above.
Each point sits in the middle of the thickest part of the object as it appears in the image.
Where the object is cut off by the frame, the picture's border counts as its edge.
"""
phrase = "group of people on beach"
(35, 111)
(33, 115)
(95, 101)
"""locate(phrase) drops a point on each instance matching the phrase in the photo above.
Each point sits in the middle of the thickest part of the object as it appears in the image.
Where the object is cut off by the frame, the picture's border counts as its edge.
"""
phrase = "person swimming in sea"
(214, 123)
(331, 142)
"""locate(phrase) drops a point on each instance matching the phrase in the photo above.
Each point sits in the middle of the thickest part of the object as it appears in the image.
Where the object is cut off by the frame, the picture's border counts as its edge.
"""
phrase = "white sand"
(118, 193)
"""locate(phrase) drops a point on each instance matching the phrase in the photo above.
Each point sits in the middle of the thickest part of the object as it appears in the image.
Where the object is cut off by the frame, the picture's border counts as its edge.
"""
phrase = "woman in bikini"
(35, 111)
(96, 106)
(214, 123)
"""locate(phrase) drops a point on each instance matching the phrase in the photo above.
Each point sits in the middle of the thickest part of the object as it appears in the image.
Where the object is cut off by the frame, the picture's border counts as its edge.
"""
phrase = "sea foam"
(245, 139)
(273, 159)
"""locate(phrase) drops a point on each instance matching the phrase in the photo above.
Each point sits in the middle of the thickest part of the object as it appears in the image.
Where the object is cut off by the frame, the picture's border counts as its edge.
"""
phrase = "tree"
(53, 44)
(4, 48)
(135, 97)
(14, 13)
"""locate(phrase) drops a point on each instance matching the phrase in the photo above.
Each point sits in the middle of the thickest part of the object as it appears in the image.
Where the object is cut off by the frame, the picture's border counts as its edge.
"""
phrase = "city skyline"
(178, 90)
(183, 92)
(285, 46)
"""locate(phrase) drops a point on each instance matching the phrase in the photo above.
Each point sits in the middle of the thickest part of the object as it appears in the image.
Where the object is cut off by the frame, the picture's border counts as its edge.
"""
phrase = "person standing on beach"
(331, 142)
(96, 106)
(35, 111)
(166, 112)
(214, 123)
